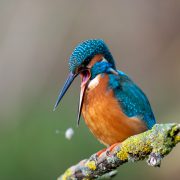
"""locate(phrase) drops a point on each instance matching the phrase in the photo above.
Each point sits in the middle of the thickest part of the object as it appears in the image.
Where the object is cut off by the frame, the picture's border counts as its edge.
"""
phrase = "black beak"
(67, 84)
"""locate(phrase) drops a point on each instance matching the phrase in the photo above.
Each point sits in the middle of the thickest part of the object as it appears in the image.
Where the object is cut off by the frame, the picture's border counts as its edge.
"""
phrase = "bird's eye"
(80, 68)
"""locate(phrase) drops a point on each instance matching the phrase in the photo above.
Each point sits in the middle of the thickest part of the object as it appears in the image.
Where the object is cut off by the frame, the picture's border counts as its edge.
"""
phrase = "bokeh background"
(36, 40)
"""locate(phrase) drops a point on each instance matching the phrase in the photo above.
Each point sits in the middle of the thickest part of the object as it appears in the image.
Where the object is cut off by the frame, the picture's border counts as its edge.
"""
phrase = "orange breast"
(104, 117)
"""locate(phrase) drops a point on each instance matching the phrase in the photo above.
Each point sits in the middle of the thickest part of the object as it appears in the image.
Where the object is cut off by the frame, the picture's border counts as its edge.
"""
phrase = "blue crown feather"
(86, 50)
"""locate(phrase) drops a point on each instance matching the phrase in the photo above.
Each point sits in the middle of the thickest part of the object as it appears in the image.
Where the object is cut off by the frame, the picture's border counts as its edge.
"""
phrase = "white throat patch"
(93, 83)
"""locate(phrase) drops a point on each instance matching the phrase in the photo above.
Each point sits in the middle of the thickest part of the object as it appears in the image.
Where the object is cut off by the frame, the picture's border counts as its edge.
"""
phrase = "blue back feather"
(132, 100)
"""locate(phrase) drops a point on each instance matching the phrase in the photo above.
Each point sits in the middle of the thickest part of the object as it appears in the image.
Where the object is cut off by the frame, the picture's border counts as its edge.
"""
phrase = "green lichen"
(135, 146)
(122, 155)
(91, 165)
(177, 139)
(174, 131)
(165, 138)
(66, 175)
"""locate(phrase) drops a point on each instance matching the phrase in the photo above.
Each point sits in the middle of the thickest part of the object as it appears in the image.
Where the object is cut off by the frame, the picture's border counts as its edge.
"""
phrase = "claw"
(99, 153)
(107, 150)
(110, 149)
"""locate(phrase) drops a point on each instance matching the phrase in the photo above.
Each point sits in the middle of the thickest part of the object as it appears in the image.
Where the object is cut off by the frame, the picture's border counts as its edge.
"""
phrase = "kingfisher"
(113, 106)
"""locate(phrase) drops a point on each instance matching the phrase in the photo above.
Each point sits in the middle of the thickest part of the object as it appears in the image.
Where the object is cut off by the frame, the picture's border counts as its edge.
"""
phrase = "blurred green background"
(36, 40)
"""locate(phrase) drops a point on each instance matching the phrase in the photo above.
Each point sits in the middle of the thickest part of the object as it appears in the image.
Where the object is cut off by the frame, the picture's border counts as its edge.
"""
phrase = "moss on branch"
(152, 145)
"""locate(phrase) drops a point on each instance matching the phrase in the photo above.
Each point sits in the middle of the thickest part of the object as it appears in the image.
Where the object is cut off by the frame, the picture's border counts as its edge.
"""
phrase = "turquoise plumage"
(131, 98)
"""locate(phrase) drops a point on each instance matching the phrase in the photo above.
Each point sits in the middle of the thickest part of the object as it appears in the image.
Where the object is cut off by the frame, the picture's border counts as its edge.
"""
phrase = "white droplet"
(69, 133)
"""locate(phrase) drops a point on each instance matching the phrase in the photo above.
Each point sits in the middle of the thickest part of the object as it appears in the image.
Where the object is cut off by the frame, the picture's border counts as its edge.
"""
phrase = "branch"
(153, 144)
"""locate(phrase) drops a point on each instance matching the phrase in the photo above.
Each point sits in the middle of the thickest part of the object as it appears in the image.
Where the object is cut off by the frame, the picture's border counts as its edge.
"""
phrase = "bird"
(112, 105)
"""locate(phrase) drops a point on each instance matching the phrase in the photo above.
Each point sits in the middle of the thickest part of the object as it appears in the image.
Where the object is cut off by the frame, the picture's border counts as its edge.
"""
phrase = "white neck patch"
(93, 83)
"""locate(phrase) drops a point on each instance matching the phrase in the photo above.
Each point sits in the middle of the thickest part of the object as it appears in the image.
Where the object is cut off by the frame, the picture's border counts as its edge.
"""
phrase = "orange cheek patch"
(95, 59)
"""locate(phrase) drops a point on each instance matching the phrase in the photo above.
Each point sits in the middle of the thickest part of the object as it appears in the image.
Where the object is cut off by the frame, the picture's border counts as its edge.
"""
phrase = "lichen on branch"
(152, 145)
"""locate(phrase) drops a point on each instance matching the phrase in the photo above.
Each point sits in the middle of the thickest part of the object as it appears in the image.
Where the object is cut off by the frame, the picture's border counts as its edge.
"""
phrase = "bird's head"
(89, 58)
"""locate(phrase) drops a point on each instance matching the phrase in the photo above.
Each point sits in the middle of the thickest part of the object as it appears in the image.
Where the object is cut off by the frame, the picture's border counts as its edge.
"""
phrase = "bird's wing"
(131, 98)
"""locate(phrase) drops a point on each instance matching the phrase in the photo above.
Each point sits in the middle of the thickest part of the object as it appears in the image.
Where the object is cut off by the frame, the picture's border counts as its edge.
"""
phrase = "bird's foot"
(99, 153)
(110, 149)
(107, 150)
